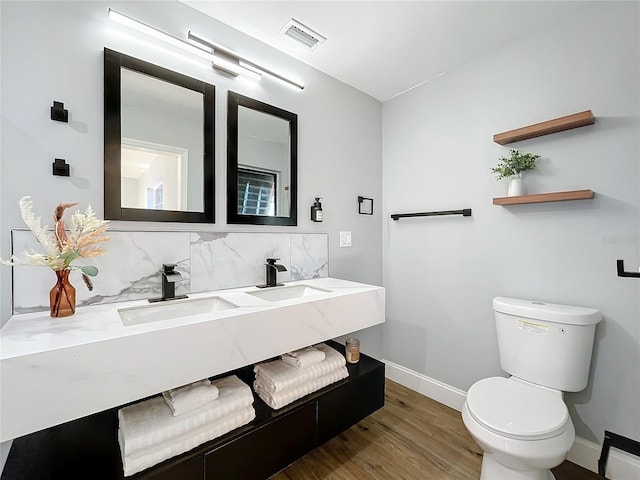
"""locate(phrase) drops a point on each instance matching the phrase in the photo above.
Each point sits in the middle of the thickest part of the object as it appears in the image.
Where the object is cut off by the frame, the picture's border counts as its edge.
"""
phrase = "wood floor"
(411, 437)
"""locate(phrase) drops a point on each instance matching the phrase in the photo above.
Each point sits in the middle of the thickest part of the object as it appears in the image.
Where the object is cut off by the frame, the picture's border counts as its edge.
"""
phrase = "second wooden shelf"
(545, 197)
(561, 124)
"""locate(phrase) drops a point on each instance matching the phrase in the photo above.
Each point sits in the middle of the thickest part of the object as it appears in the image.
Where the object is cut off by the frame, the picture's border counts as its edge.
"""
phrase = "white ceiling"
(384, 48)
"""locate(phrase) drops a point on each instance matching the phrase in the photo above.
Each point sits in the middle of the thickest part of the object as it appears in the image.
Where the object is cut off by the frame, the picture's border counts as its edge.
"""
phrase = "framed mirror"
(159, 143)
(262, 163)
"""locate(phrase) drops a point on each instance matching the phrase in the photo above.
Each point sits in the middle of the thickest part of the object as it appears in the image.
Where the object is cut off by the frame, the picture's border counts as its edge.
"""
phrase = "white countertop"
(57, 369)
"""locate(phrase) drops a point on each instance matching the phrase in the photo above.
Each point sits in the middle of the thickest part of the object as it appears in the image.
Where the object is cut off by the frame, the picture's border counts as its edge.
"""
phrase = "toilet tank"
(545, 343)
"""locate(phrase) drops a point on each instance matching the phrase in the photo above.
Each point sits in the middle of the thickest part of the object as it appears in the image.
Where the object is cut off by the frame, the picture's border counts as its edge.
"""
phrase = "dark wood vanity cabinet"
(265, 450)
(189, 468)
(343, 407)
(88, 447)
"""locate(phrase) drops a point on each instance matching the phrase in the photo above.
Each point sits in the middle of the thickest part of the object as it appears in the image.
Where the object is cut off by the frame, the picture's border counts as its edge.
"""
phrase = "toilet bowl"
(524, 429)
(522, 423)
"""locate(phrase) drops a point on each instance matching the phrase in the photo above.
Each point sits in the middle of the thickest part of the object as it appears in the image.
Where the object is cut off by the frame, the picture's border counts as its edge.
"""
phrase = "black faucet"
(169, 279)
(271, 273)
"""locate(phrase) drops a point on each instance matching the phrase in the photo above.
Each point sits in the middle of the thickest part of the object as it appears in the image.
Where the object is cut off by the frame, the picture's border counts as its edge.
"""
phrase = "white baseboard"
(620, 465)
(429, 387)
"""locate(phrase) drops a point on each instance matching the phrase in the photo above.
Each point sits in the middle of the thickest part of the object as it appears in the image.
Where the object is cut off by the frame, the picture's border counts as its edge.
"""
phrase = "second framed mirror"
(262, 163)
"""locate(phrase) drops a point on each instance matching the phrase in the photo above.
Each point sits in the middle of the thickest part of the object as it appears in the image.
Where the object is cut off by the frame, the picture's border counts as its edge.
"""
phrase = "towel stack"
(304, 358)
(280, 382)
(182, 400)
(150, 432)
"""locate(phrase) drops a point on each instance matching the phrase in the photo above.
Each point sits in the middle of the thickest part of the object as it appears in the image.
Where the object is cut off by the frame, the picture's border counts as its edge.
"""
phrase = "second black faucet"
(271, 273)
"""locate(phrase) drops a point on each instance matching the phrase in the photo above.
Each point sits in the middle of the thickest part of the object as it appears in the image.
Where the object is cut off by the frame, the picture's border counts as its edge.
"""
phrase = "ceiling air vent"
(302, 35)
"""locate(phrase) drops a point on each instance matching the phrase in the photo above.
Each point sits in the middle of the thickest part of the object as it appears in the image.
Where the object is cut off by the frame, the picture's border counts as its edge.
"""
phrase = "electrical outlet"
(345, 239)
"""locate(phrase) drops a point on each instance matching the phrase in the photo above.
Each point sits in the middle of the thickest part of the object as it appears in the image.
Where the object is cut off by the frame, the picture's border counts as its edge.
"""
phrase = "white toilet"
(521, 422)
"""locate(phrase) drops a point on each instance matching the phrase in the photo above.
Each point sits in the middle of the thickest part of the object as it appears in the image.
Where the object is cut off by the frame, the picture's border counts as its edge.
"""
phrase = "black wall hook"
(59, 113)
(60, 167)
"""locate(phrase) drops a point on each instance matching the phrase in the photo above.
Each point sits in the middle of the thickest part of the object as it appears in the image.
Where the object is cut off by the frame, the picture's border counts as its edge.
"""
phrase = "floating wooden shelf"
(561, 124)
(545, 197)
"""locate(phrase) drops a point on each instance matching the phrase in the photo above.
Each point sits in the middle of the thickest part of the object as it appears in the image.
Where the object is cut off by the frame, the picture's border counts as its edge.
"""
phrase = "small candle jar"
(352, 350)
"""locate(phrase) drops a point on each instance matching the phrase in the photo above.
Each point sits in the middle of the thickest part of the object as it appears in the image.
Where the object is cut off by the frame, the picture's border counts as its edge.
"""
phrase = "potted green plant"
(511, 168)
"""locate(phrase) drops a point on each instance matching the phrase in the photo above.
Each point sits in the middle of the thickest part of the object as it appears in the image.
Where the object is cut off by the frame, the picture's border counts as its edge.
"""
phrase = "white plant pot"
(516, 186)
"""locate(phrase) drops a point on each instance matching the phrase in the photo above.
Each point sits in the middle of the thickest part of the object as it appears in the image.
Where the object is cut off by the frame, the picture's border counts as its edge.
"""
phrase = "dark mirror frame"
(235, 100)
(113, 210)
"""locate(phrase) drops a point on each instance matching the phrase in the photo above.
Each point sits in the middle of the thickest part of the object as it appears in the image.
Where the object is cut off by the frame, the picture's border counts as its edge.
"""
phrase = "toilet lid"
(517, 410)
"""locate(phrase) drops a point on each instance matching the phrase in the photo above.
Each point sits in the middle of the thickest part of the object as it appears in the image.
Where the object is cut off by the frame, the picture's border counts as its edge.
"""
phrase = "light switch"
(345, 239)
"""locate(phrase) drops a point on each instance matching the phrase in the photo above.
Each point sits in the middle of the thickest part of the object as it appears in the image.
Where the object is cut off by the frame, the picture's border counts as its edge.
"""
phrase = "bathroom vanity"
(88, 447)
(64, 379)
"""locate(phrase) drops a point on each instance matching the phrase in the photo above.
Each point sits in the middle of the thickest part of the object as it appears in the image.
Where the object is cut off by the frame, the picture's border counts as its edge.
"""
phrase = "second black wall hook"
(59, 113)
(60, 167)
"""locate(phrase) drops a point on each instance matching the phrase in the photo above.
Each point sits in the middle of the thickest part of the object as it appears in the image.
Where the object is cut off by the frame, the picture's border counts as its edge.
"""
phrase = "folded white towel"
(277, 375)
(285, 397)
(150, 422)
(137, 461)
(177, 391)
(304, 358)
(190, 397)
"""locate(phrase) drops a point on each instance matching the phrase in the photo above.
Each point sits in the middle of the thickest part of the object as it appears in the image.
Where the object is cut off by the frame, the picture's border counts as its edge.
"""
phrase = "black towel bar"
(465, 212)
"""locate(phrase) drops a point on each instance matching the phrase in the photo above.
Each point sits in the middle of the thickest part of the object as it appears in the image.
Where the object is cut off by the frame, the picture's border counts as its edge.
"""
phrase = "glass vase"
(62, 297)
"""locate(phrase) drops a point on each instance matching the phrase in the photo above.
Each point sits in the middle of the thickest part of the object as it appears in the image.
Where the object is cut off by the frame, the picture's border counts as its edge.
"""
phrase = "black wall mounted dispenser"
(316, 211)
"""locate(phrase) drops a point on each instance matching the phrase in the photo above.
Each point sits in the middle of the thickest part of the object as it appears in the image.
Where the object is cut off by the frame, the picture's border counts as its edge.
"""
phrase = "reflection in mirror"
(261, 163)
(158, 143)
(161, 130)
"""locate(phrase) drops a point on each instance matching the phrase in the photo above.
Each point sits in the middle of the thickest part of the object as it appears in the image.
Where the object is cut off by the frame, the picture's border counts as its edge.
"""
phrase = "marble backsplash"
(130, 269)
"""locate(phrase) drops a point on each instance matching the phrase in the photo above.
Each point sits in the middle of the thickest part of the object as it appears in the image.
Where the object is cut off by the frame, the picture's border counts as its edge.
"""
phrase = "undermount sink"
(276, 294)
(172, 309)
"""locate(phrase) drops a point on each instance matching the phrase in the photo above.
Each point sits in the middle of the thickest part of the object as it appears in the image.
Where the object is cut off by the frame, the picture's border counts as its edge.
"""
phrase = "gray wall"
(339, 127)
(441, 273)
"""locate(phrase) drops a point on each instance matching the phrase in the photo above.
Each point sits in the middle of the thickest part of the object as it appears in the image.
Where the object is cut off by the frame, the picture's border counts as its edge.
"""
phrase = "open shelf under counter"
(545, 197)
(568, 122)
(88, 448)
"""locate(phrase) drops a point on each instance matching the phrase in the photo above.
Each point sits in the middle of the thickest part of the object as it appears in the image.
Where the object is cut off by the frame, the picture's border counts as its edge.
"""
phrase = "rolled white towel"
(282, 398)
(277, 375)
(304, 358)
(156, 453)
(185, 399)
(150, 422)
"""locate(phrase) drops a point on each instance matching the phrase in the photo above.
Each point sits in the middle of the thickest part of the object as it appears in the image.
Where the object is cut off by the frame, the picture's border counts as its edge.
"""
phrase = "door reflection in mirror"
(161, 132)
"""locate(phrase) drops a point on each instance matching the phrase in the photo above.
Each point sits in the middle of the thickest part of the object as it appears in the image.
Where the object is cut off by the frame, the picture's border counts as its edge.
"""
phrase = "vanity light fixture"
(222, 52)
(221, 58)
(222, 62)
(224, 59)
